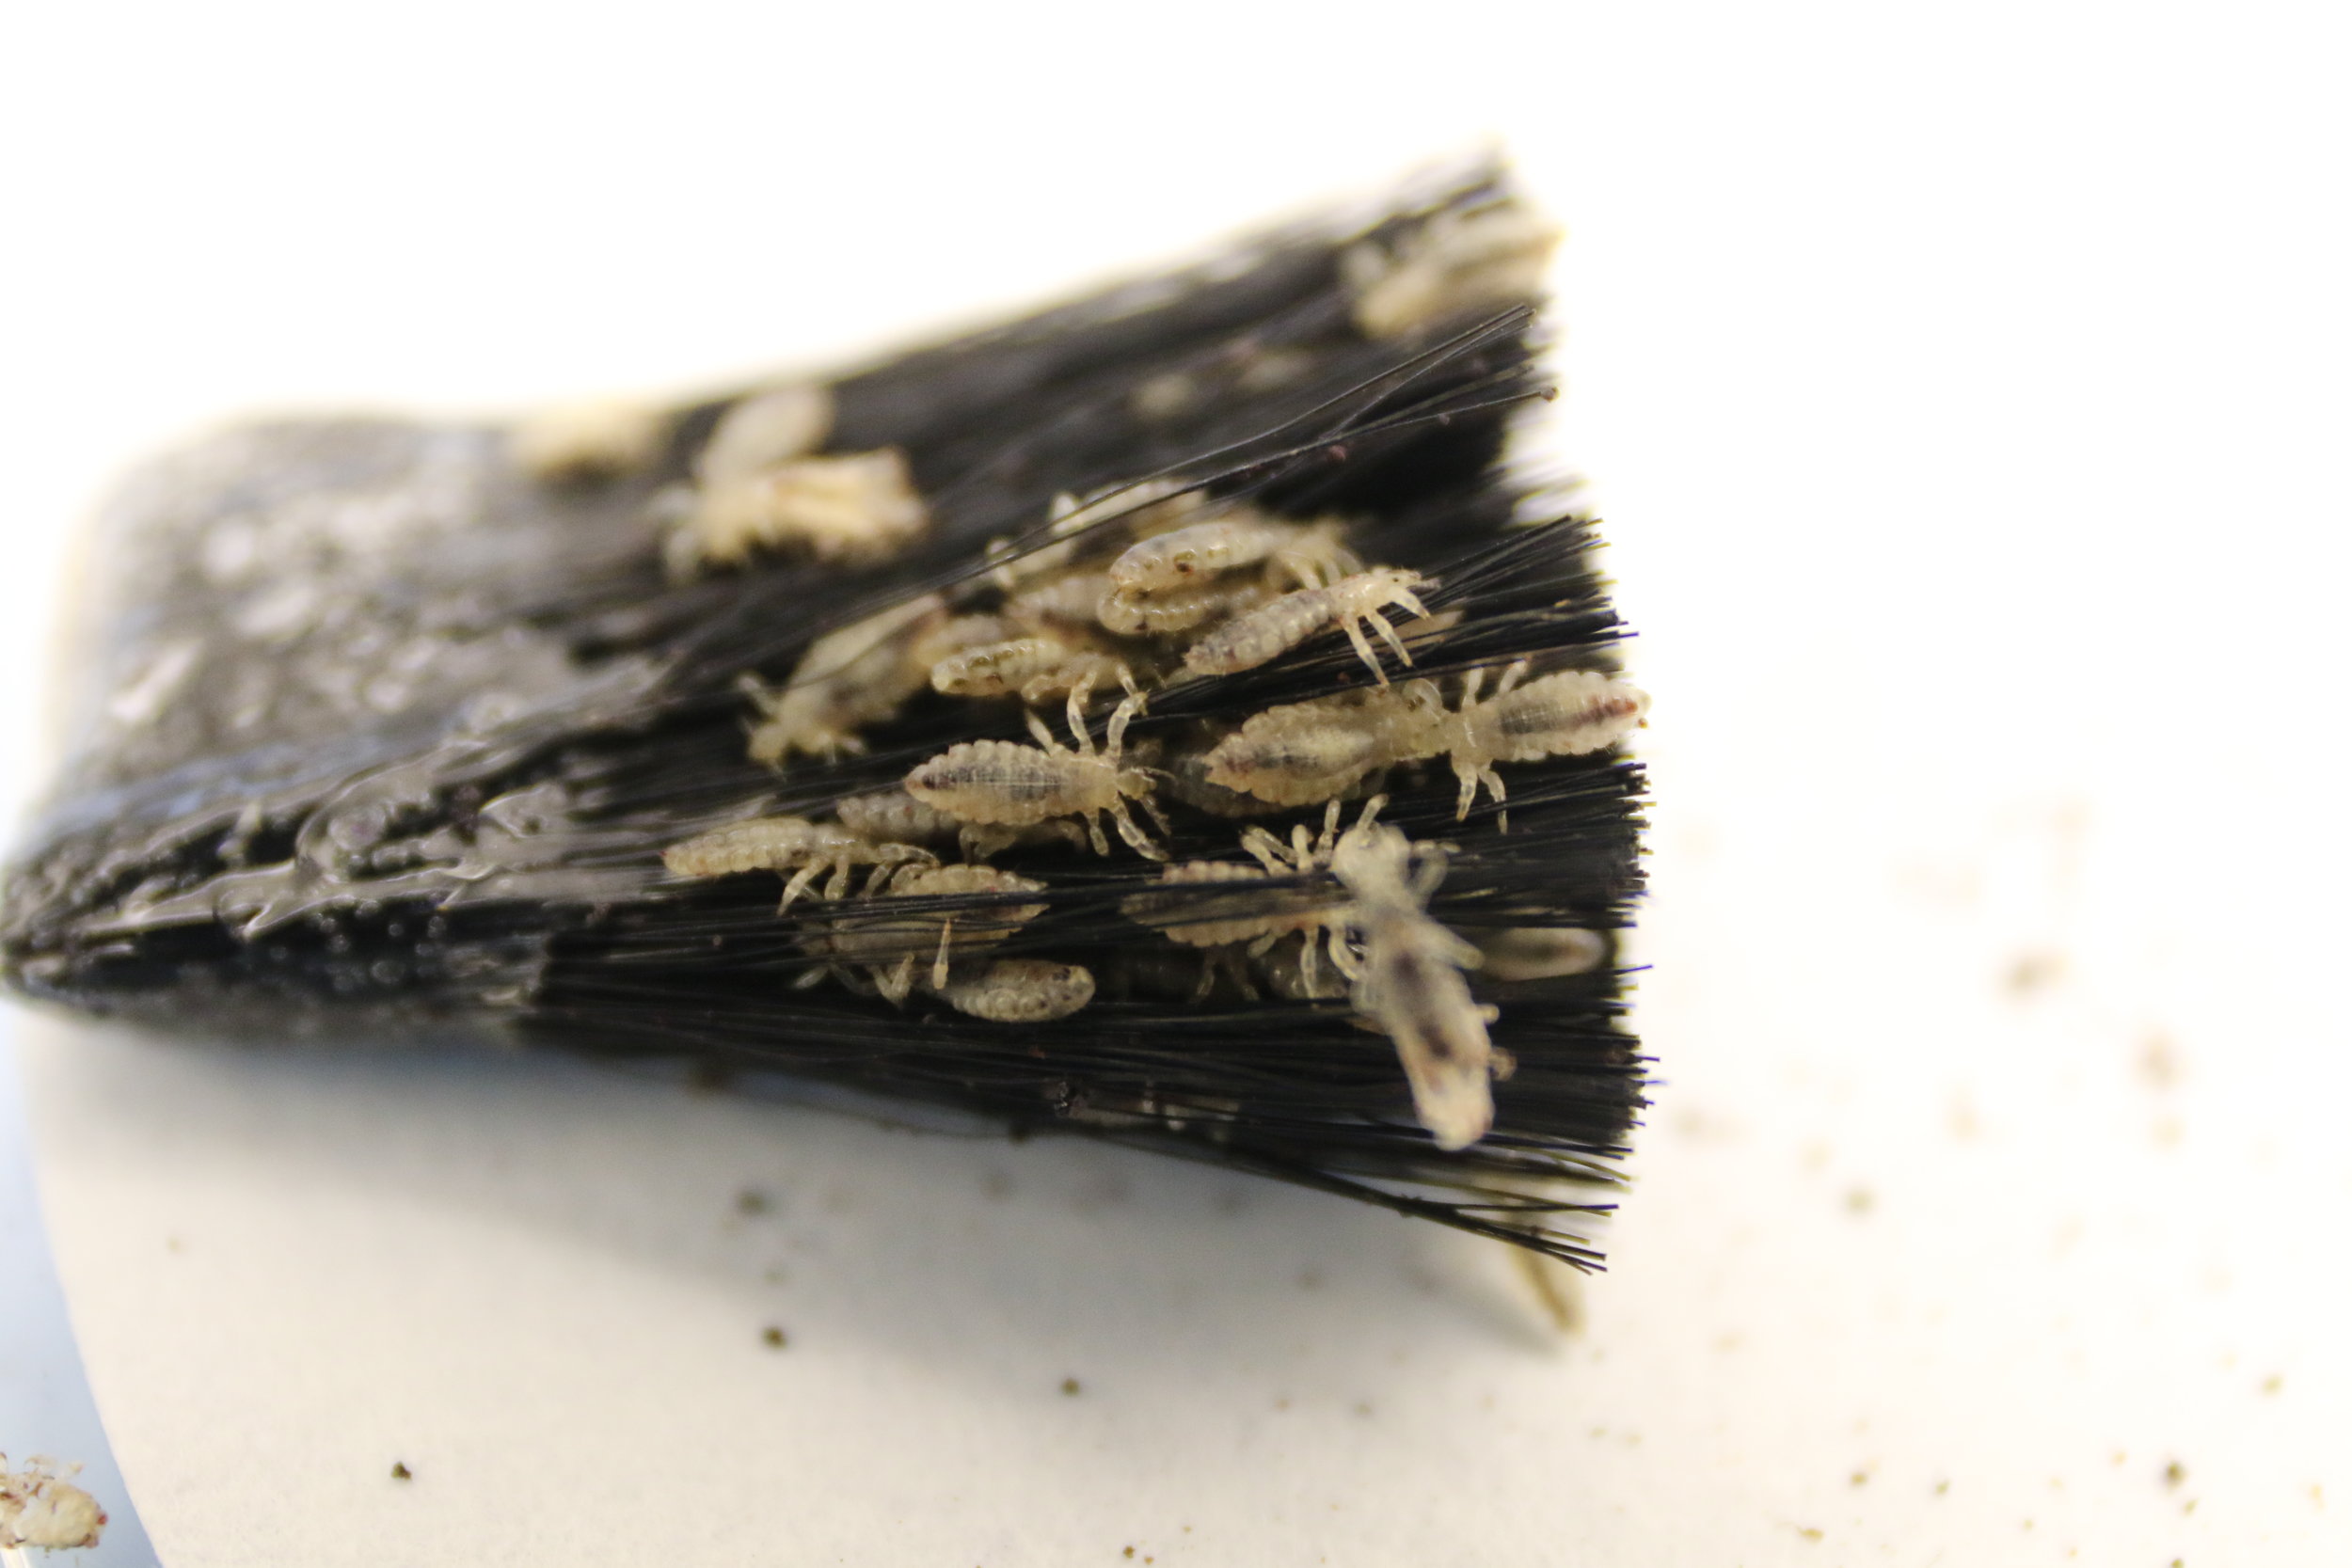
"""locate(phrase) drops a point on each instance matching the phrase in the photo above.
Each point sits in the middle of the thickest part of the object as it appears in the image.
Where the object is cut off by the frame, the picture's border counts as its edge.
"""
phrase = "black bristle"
(303, 841)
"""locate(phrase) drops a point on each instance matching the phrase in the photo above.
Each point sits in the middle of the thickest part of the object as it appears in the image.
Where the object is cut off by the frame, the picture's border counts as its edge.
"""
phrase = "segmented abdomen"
(763, 844)
(998, 780)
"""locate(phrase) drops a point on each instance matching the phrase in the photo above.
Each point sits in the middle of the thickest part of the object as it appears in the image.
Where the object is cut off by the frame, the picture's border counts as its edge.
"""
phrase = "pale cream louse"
(1312, 553)
(1141, 509)
(1020, 991)
(1302, 752)
(789, 843)
(894, 815)
(1035, 668)
(890, 943)
(1565, 714)
(1180, 610)
(1271, 630)
(1002, 991)
(847, 509)
(1409, 982)
(1255, 921)
(859, 674)
(1299, 753)
(1004, 782)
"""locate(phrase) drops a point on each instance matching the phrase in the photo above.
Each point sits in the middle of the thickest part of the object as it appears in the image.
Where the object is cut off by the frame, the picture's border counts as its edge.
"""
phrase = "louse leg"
(843, 873)
(799, 884)
(1330, 834)
(1388, 634)
(1151, 810)
(1511, 678)
(1039, 733)
(1363, 649)
(896, 983)
(1094, 832)
(939, 964)
(1076, 712)
(1469, 796)
(1494, 787)
(1115, 743)
(1266, 849)
(1344, 958)
(1135, 837)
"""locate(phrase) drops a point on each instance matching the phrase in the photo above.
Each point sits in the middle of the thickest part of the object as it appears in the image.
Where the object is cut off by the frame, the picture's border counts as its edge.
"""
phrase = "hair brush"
(1166, 718)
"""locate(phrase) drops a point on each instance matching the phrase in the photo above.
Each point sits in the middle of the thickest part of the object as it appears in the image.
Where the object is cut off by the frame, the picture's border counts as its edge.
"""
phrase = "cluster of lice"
(859, 676)
(1134, 587)
(945, 915)
(1403, 969)
(1205, 593)
(760, 487)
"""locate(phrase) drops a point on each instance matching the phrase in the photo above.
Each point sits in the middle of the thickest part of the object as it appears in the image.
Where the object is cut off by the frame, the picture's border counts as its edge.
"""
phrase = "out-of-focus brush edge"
(385, 729)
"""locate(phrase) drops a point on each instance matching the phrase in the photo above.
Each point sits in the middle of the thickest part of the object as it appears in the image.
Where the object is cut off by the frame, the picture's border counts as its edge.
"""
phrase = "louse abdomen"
(996, 781)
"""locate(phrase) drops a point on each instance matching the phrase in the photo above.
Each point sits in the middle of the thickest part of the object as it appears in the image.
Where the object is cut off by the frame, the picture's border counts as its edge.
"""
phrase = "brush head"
(1122, 704)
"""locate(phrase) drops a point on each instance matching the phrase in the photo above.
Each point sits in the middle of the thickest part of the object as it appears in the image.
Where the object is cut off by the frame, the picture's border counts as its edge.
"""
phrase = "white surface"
(1965, 390)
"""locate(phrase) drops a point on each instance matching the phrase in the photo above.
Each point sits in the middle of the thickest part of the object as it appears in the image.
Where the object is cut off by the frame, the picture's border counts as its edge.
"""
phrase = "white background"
(1965, 391)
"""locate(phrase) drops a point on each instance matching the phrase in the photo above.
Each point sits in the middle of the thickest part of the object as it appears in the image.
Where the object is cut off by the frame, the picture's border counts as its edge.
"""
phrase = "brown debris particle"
(2036, 972)
(1808, 1533)
(750, 1201)
(2174, 1474)
(773, 1337)
(1860, 1200)
(2272, 1383)
(1070, 1386)
(401, 1472)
